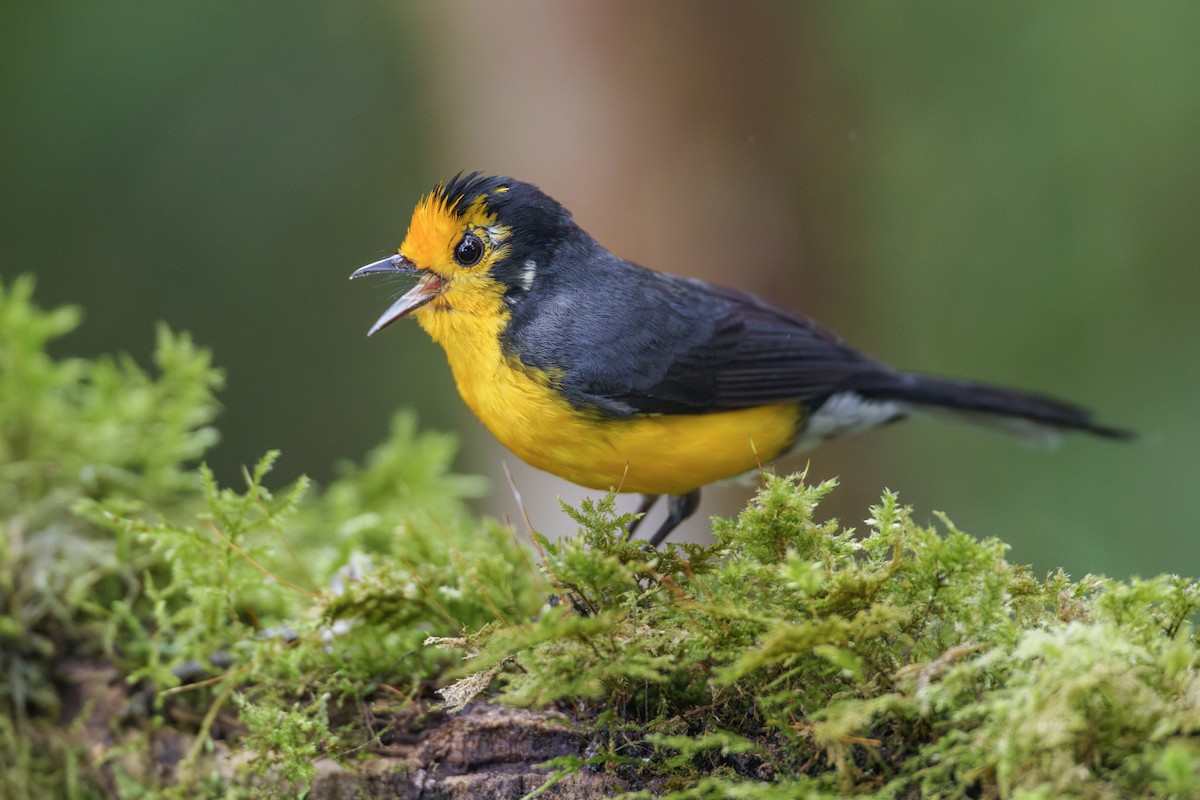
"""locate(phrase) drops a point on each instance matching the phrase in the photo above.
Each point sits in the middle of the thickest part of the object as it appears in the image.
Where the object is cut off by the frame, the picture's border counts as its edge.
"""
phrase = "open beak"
(427, 288)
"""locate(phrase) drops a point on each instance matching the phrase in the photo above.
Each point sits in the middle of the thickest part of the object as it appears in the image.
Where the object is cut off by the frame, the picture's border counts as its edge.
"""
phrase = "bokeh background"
(1008, 192)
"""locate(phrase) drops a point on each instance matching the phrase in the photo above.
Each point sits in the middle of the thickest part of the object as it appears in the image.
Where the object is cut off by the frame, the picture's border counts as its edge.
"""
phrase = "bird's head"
(475, 245)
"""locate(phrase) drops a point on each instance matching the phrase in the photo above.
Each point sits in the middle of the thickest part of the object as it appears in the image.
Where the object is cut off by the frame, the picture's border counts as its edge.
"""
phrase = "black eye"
(469, 250)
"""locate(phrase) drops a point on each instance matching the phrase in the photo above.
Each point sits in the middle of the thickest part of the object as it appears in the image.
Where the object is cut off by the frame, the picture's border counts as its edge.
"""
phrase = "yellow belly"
(652, 455)
(659, 454)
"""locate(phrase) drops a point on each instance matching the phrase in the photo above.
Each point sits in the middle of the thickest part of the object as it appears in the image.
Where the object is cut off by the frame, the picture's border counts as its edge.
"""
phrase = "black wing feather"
(630, 341)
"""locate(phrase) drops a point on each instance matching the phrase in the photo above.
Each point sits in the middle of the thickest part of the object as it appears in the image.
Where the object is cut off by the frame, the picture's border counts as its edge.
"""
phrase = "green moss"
(234, 611)
(900, 660)
(792, 658)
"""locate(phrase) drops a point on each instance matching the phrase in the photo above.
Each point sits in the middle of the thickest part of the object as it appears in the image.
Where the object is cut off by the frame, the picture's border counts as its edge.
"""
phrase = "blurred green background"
(1007, 192)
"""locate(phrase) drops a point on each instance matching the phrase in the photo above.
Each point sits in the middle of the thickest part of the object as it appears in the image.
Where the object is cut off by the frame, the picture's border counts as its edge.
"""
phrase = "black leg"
(647, 502)
(679, 508)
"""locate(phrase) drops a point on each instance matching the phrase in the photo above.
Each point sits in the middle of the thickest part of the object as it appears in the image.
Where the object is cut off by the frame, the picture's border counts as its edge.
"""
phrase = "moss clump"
(798, 658)
(147, 613)
(150, 617)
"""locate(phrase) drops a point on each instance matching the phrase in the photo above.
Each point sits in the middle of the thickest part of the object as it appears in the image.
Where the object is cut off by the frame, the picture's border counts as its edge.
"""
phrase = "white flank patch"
(847, 412)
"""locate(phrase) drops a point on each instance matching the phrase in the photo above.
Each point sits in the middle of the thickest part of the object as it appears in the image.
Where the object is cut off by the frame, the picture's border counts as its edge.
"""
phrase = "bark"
(483, 752)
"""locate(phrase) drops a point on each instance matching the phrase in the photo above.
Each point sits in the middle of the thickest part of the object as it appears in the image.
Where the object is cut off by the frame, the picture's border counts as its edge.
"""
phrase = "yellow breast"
(654, 454)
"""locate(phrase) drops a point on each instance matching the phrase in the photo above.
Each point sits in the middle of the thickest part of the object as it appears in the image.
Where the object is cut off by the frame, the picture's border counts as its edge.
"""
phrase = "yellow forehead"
(436, 227)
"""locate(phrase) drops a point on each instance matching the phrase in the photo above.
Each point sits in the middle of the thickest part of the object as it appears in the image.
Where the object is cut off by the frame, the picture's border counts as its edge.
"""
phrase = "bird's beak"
(427, 288)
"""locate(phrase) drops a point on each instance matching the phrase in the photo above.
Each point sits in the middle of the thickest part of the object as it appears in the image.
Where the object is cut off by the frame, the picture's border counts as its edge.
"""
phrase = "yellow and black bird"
(614, 376)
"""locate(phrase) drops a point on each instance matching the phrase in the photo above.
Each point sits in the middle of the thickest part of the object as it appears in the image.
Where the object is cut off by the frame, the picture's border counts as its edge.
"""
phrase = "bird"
(617, 377)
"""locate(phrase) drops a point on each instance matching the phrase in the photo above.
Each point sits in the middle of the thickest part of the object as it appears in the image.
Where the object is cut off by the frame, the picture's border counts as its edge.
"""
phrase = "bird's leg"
(679, 508)
(648, 501)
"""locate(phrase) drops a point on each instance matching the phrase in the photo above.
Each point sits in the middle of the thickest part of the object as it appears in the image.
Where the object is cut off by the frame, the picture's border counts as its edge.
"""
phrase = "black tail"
(1016, 411)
